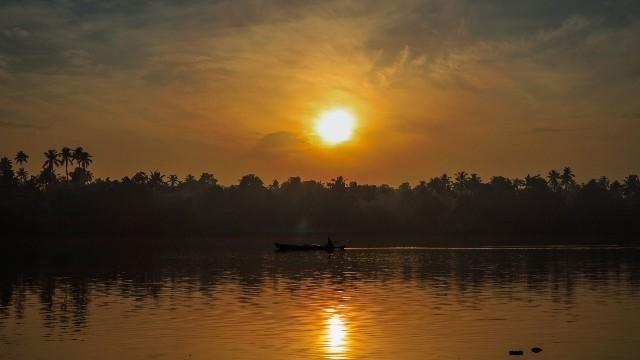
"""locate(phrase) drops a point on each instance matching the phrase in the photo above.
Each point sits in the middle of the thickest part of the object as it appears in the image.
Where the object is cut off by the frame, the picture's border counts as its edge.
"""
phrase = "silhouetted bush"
(159, 205)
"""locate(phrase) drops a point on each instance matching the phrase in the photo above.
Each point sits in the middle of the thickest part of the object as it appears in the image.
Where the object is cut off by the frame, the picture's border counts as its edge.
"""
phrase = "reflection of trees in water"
(63, 303)
(459, 276)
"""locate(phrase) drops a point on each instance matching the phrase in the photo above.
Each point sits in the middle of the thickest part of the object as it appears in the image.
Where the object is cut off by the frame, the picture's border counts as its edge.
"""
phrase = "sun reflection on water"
(335, 343)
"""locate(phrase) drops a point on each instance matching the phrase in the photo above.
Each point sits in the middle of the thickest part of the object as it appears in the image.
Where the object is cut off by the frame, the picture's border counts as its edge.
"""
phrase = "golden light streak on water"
(336, 343)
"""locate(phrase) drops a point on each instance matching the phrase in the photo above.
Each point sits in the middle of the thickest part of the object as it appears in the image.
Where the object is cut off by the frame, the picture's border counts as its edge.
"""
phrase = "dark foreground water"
(392, 303)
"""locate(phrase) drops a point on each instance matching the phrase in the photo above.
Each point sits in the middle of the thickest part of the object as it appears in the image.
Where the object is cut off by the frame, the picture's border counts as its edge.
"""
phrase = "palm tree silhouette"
(21, 157)
(554, 180)
(173, 180)
(156, 179)
(76, 153)
(6, 171)
(51, 161)
(631, 185)
(140, 178)
(22, 175)
(82, 157)
(48, 174)
(567, 179)
(66, 157)
(461, 179)
(81, 176)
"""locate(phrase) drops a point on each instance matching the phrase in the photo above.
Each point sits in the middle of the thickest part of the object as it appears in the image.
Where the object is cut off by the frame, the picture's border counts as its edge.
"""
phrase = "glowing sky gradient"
(233, 87)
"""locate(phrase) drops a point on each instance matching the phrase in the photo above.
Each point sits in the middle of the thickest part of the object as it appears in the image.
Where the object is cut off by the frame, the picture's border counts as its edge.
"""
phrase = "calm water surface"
(392, 303)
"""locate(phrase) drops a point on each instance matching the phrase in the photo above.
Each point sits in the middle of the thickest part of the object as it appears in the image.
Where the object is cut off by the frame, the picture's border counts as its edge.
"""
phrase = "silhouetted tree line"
(152, 203)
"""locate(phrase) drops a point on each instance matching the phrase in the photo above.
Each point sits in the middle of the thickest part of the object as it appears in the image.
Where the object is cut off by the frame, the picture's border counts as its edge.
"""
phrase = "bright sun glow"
(335, 343)
(335, 126)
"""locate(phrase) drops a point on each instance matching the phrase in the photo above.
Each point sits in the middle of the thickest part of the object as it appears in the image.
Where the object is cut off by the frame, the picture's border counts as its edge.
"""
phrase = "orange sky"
(233, 87)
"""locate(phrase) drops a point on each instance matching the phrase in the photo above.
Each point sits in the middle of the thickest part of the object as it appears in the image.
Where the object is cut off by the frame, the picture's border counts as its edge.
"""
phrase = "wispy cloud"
(15, 33)
(281, 142)
(16, 125)
(544, 130)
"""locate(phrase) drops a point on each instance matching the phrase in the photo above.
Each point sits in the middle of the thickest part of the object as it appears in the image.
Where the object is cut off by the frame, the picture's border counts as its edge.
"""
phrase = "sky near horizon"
(233, 87)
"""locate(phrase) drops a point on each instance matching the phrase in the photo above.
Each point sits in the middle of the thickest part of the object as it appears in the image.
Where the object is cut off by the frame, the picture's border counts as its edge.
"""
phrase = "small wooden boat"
(306, 247)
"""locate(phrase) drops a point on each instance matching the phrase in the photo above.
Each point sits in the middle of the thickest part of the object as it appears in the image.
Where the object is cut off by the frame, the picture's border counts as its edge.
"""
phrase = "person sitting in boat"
(330, 246)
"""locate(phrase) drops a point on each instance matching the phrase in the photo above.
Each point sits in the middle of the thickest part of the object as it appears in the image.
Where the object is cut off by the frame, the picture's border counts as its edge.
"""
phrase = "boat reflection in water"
(335, 338)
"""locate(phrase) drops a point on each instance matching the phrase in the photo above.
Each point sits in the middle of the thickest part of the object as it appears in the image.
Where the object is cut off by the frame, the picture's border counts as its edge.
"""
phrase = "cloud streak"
(15, 125)
(281, 143)
(547, 130)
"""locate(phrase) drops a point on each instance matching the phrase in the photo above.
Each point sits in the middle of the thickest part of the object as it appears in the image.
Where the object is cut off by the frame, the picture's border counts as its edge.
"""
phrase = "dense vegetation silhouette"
(73, 203)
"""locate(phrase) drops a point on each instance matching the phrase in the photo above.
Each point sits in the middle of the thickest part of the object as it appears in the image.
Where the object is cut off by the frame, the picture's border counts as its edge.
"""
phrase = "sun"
(335, 126)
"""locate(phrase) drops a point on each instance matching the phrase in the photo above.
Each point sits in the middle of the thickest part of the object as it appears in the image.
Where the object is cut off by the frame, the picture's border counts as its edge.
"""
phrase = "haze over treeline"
(64, 199)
